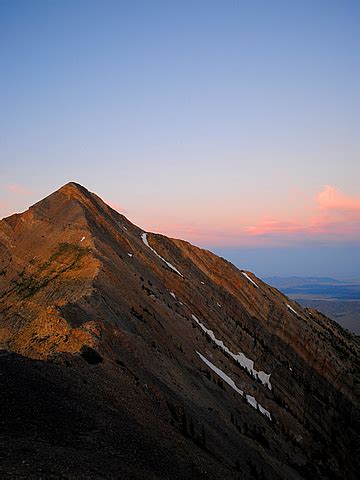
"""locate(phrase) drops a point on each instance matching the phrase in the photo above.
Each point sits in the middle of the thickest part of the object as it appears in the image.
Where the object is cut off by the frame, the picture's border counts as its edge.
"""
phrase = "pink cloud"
(17, 189)
(330, 198)
(334, 216)
(199, 234)
(269, 225)
(330, 216)
(179, 230)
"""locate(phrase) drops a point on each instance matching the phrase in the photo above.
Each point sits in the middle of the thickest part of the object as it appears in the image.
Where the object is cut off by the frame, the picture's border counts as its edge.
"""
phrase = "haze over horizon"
(234, 127)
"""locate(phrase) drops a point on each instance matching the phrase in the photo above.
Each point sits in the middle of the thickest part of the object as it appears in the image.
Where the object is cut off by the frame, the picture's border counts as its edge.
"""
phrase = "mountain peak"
(70, 203)
(74, 188)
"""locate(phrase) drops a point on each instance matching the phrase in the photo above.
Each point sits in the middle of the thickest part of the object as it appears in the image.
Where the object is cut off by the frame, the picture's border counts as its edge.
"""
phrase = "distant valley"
(338, 299)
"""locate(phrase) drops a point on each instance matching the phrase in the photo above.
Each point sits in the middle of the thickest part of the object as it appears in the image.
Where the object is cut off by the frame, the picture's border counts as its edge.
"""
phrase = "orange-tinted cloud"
(199, 234)
(330, 216)
(270, 225)
(17, 189)
(330, 198)
(335, 216)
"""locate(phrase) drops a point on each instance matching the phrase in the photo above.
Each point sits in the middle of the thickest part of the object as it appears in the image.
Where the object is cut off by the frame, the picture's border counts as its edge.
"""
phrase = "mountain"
(130, 354)
(296, 281)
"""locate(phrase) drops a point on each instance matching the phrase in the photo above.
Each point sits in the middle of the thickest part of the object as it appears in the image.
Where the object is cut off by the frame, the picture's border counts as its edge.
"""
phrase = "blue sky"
(231, 124)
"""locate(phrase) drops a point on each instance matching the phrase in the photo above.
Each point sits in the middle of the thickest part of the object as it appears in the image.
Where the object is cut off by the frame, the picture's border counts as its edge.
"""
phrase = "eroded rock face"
(221, 367)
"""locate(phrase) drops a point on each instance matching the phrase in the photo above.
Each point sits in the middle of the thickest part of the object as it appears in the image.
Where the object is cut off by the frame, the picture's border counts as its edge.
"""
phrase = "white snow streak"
(240, 358)
(145, 240)
(173, 295)
(249, 398)
(221, 374)
(291, 308)
(264, 411)
(83, 238)
(130, 254)
(255, 404)
(250, 279)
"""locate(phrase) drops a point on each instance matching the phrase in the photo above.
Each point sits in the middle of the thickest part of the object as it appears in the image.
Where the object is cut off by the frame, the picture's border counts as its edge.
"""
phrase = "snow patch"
(219, 304)
(250, 279)
(83, 238)
(255, 404)
(173, 295)
(251, 401)
(291, 308)
(146, 242)
(202, 283)
(130, 254)
(264, 411)
(249, 398)
(221, 374)
(240, 358)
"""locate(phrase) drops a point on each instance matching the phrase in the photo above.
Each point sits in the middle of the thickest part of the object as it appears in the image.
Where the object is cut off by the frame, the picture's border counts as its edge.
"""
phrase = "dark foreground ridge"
(127, 354)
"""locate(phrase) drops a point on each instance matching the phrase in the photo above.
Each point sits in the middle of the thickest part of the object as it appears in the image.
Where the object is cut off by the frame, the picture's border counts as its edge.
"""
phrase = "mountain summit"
(128, 353)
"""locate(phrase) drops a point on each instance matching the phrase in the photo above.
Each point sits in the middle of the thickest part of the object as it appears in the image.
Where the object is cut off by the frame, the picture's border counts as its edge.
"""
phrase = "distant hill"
(295, 281)
(340, 300)
(346, 313)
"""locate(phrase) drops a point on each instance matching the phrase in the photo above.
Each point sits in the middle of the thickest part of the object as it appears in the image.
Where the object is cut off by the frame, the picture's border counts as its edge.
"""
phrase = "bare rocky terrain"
(127, 354)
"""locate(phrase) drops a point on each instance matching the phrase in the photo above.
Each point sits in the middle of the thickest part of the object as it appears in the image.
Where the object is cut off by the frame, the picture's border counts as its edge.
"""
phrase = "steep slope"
(210, 363)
